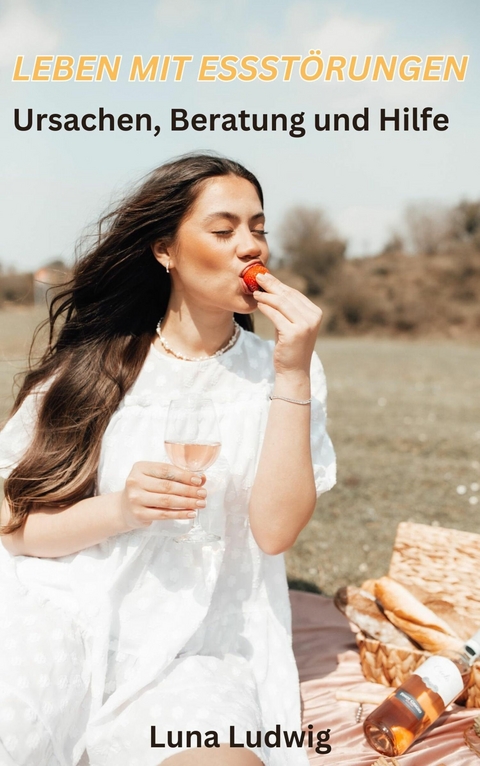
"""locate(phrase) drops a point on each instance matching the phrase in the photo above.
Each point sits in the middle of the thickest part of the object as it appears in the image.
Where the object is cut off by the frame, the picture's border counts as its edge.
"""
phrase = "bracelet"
(292, 401)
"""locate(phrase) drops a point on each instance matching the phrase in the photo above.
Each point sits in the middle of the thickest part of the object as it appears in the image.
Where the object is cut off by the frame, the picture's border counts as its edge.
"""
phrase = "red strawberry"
(249, 275)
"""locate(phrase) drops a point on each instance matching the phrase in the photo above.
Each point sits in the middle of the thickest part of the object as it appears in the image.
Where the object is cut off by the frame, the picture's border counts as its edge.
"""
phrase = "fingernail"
(191, 515)
(196, 480)
(201, 492)
(200, 503)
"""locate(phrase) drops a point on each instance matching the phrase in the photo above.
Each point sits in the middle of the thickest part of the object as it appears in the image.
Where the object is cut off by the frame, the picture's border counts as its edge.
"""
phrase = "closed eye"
(222, 234)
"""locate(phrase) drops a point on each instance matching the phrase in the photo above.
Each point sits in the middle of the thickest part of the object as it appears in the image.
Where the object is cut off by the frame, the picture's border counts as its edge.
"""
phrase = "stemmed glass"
(192, 442)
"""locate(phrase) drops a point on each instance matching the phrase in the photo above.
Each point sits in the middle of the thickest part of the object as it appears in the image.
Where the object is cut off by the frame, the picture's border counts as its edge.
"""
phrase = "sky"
(54, 185)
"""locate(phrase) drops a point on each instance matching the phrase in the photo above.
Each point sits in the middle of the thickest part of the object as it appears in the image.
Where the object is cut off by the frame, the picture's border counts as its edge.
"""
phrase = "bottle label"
(442, 676)
(411, 703)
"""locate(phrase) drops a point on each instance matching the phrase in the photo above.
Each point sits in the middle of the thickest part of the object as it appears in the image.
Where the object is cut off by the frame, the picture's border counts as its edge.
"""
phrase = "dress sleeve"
(17, 434)
(323, 455)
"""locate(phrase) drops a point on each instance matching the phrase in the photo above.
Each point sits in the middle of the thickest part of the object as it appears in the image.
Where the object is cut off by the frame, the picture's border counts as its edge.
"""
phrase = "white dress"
(98, 647)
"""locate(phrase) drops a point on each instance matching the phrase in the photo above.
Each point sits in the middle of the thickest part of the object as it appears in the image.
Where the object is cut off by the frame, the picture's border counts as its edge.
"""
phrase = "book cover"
(360, 120)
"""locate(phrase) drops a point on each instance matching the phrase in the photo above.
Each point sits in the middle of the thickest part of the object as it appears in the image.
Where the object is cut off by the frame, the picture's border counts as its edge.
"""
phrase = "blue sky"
(54, 184)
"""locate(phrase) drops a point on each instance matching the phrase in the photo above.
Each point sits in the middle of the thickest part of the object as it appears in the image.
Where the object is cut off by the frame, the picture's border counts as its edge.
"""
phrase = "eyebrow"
(231, 216)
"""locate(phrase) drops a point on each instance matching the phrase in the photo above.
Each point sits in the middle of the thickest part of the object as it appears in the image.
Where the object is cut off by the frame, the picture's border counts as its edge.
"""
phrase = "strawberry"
(249, 275)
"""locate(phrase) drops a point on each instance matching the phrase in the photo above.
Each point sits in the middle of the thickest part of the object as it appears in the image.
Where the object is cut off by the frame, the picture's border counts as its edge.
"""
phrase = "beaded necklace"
(169, 349)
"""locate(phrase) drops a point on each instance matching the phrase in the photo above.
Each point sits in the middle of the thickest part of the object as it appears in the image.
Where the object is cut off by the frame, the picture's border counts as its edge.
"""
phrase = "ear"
(161, 253)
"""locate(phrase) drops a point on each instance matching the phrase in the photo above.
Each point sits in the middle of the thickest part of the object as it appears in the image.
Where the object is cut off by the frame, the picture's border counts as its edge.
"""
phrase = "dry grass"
(404, 417)
(405, 420)
(16, 330)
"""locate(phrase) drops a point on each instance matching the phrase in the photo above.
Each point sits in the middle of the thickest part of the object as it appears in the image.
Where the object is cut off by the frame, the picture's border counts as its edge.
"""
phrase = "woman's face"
(221, 235)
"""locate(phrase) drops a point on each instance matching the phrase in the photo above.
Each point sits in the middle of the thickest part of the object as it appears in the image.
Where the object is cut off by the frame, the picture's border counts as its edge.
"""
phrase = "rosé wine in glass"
(192, 442)
(193, 457)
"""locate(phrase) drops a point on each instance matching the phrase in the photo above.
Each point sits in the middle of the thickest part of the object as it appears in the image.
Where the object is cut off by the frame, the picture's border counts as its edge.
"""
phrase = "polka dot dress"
(113, 656)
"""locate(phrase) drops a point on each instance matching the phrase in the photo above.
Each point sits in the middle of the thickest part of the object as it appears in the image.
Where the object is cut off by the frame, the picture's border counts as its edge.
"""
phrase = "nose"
(248, 245)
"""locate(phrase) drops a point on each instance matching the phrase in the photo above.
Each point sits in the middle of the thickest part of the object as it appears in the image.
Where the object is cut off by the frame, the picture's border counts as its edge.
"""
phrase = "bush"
(312, 248)
(16, 288)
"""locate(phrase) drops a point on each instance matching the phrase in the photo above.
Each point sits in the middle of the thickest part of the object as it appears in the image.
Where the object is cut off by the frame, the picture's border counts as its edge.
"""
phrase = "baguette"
(462, 625)
(415, 619)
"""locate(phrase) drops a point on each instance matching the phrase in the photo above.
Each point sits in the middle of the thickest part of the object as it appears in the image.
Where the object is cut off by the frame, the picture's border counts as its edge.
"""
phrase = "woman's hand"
(296, 319)
(156, 491)
(283, 494)
(152, 491)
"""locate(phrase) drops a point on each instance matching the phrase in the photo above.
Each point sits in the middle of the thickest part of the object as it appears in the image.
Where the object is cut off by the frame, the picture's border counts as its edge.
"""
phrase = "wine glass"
(192, 441)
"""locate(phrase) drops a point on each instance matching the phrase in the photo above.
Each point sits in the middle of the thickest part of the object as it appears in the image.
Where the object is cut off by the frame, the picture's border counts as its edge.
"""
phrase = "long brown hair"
(101, 326)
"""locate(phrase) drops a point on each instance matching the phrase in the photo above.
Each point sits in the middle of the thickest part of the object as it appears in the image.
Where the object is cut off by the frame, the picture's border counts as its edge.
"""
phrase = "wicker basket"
(444, 562)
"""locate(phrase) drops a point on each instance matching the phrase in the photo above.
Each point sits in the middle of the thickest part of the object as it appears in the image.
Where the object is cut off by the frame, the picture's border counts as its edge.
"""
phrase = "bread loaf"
(361, 608)
(414, 618)
(462, 625)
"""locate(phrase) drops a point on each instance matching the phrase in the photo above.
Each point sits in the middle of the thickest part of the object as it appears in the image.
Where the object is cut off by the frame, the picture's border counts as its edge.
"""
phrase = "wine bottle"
(403, 717)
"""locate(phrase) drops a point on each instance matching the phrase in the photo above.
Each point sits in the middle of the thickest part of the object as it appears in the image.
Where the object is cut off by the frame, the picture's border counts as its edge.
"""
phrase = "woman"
(135, 638)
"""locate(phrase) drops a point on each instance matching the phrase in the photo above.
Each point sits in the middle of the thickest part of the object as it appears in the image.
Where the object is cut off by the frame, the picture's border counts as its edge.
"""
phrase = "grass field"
(405, 421)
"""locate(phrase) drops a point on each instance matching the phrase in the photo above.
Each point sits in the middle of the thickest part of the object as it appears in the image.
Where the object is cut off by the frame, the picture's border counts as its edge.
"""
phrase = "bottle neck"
(465, 655)
(472, 648)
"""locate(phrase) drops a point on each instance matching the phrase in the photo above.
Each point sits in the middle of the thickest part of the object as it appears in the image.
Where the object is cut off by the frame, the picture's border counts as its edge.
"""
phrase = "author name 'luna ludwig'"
(273, 738)
(396, 119)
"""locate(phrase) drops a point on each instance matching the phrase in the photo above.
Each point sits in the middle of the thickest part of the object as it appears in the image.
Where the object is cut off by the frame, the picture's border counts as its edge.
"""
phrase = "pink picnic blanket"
(328, 661)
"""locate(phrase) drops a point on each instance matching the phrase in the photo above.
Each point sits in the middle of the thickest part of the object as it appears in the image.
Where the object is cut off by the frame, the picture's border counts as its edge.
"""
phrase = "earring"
(168, 266)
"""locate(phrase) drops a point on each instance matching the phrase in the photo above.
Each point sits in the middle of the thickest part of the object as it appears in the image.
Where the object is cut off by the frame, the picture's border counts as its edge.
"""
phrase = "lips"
(252, 263)
(249, 275)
